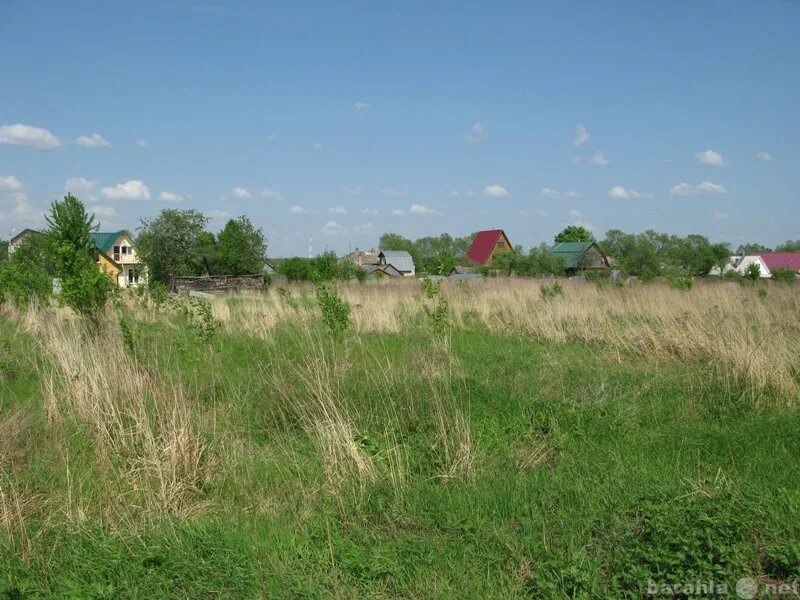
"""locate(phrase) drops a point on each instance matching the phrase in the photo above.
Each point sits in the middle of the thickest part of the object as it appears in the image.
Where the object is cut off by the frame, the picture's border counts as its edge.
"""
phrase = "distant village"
(490, 252)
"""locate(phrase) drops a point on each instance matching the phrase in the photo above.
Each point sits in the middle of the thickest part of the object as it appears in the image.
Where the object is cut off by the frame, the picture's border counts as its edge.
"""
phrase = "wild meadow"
(506, 438)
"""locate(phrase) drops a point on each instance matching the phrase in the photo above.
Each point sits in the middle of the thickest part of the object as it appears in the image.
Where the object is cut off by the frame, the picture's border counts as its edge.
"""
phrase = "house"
(363, 257)
(789, 261)
(488, 244)
(116, 255)
(766, 262)
(16, 241)
(579, 256)
(379, 271)
(399, 259)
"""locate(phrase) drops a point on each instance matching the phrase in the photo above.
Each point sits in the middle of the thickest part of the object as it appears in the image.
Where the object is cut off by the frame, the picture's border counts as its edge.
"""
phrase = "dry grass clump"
(743, 335)
(149, 457)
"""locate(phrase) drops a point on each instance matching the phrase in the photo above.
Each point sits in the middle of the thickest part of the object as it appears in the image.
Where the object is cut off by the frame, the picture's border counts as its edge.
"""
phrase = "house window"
(501, 244)
(133, 277)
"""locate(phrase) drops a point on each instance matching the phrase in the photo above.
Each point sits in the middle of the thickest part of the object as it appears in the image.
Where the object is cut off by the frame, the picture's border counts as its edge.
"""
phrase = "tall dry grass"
(148, 456)
(742, 334)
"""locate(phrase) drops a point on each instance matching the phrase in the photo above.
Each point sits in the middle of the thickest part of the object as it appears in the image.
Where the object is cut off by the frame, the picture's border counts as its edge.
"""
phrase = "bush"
(435, 307)
(87, 292)
(22, 281)
(784, 275)
(550, 291)
(680, 281)
(335, 311)
(753, 272)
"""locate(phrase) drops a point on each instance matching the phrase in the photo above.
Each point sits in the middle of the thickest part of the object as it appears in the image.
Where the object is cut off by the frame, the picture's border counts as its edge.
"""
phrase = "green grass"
(640, 471)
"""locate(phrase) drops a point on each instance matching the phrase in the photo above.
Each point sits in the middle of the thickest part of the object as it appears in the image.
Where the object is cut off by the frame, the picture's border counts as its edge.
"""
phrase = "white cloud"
(363, 228)
(298, 210)
(104, 211)
(24, 210)
(477, 134)
(170, 197)
(130, 190)
(241, 192)
(711, 159)
(353, 190)
(332, 228)
(93, 141)
(368, 211)
(27, 135)
(495, 191)
(553, 193)
(705, 187)
(79, 184)
(398, 212)
(536, 212)
(362, 105)
(622, 193)
(316, 145)
(141, 143)
(581, 136)
(765, 156)
(719, 216)
(392, 192)
(574, 214)
(338, 210)
(10, 183)
(216, 214)
(419, 209)
(593, 159)
(271, 194)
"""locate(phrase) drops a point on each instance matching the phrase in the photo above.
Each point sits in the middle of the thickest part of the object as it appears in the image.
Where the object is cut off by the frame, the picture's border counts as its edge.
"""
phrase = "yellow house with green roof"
(116, 255)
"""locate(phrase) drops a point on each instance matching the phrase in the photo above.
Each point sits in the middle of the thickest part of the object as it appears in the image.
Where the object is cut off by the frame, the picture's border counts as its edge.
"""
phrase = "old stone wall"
(215, 284)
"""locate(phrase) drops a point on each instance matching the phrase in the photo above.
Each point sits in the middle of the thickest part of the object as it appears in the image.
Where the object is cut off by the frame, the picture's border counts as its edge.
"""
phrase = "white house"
(740, 264)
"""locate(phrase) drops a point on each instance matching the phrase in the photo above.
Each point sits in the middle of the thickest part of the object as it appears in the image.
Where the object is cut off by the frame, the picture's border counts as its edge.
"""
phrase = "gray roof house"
(399, 259)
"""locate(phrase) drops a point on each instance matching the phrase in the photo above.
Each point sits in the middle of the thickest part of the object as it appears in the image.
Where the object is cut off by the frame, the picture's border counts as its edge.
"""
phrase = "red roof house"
(781, 260)
(487, 244)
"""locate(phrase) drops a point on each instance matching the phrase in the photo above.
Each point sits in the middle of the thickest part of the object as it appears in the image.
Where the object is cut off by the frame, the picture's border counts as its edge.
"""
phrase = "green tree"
(169, 243)
(295, 269)
(3, 250)
(84, 288)
(68, 237)
(789, 246)
(750, 248)
(25, 276)
(574, 233)
(241, 248)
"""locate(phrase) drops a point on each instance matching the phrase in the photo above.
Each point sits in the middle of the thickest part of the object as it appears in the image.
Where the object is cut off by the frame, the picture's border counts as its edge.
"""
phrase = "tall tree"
(574, 233)
(241, 248)
(789, 246)
(68, 236)
(751, 248)
(169, 244)
(84, 288)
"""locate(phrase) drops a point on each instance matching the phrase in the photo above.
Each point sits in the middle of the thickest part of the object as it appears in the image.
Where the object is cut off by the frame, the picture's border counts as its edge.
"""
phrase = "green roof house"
(117, 256)
(578, 256)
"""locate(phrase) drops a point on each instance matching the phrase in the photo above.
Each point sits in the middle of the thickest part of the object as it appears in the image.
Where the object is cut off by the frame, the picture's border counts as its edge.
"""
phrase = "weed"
(335, 311)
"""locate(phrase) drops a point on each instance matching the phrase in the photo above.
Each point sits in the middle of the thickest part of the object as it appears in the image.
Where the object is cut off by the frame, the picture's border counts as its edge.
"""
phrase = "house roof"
(781, 260)
(481, 249)
(572, 252)
(22, 234)
(399, 259)
(385, 269)
(104, 240)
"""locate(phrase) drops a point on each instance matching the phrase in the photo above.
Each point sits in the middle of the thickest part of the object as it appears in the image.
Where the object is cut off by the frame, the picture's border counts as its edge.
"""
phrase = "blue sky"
(341, 121)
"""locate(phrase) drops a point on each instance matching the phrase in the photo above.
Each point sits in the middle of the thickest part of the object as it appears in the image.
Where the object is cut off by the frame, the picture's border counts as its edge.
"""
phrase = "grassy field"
(524, 443)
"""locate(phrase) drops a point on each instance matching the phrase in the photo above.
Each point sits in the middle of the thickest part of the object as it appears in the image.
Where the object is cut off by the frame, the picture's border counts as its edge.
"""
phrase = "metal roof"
(571, 252)
(399, 259)
(104, 240)
(482, 246)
